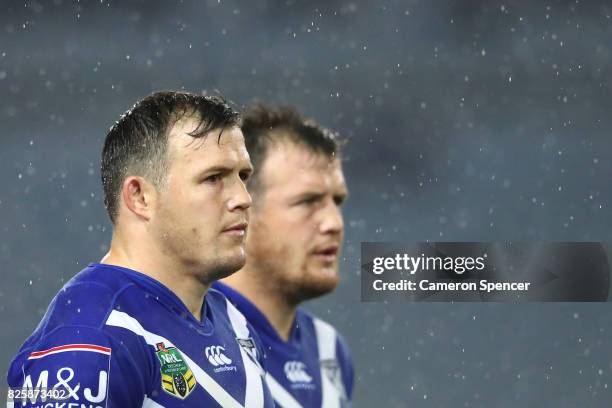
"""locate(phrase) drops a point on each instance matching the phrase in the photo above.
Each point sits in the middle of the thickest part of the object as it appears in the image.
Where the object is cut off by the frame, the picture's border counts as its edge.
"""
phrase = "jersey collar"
(167, 297)
(258, 320)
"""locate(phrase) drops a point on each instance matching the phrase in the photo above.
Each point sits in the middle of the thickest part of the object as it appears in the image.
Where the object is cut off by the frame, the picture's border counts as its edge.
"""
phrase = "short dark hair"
(137, 143)
(264, 125)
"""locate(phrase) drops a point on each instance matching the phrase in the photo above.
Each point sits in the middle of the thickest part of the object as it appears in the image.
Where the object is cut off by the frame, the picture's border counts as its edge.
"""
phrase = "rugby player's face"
(202, 212)
(297, 226)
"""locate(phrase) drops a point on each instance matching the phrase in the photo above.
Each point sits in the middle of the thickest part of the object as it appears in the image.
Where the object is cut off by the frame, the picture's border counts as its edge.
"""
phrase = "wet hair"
(137, 143)
(264, 126)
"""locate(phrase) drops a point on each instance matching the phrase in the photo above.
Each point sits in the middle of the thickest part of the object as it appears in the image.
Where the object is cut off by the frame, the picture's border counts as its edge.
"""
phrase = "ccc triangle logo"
(215, 356)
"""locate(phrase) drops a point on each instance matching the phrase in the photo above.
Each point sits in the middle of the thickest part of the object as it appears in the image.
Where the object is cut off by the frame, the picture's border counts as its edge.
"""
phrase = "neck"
(177, 278)
(268, 299)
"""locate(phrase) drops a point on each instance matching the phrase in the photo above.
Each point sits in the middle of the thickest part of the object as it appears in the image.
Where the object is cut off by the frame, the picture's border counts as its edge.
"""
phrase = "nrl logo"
(176, 377)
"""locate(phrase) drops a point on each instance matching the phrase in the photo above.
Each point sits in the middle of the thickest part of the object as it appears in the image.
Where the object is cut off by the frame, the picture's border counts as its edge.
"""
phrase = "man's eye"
(309, 201)
(215, 178)
(245, 175)
(339, 200)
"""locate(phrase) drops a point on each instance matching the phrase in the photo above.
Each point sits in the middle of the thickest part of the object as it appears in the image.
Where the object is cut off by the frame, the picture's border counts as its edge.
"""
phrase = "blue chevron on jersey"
(312, 369)
(114, 337)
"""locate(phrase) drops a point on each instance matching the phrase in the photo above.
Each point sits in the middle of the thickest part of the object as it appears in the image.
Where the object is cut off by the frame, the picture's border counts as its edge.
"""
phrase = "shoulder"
(332, 348)
(74, 348)
(84, 301)
(73, 327)
(330, 341)
(81, 359)
(326, 334)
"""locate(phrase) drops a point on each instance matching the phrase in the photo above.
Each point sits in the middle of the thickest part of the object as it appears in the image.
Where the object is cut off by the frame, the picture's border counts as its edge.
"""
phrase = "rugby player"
(293, 246)
(142, 328)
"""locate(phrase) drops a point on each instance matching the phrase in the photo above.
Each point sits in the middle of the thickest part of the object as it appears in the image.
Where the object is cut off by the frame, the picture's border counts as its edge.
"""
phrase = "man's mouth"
(238, 229)
(327, 253)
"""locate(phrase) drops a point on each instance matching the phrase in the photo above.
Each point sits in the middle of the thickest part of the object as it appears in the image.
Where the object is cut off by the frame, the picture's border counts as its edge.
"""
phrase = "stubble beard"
(304, 286)
(223, 267)
(312, 287)
(188, 252)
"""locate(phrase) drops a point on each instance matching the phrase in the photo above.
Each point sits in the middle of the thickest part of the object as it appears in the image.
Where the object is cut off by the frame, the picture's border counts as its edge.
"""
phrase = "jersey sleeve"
(75, 365)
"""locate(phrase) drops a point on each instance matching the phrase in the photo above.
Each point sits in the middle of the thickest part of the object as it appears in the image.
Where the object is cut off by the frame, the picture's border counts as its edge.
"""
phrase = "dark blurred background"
(467, 121)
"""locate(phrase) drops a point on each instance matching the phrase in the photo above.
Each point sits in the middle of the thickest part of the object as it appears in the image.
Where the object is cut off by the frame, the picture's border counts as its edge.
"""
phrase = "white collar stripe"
(254, 385)
(326, 339)
(326, 343)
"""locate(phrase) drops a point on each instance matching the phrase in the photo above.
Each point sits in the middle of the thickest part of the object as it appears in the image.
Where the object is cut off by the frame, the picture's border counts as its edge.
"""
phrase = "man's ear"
(139, 196)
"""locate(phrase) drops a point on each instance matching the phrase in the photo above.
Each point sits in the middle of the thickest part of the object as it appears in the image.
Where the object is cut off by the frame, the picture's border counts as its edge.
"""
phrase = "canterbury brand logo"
(215, 356)
(296, 372)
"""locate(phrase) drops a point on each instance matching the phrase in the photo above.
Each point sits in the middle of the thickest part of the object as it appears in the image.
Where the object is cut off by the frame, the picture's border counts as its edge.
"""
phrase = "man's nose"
(240, 198)
(332, 221)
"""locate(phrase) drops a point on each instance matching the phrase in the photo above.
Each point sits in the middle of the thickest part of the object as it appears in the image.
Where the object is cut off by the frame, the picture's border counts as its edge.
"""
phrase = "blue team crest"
(176, 376)
(248, 345)
(331, 370)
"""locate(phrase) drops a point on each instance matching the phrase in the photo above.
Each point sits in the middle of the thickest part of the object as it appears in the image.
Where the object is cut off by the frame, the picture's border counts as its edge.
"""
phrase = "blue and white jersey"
(312, 369)
(116, 338)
